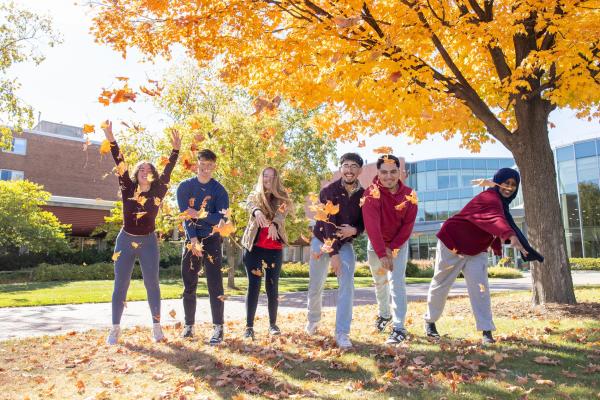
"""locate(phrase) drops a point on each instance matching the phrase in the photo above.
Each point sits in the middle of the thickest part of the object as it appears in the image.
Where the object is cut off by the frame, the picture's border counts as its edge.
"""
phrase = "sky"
(65, 88)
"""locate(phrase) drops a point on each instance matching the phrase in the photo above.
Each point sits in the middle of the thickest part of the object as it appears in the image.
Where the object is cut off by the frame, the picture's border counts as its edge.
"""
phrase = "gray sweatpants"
(146, 249)
(447, 268)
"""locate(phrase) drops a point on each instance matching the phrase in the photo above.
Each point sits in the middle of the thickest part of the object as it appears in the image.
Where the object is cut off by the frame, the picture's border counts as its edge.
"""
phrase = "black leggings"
(190, 267)
(268, 262)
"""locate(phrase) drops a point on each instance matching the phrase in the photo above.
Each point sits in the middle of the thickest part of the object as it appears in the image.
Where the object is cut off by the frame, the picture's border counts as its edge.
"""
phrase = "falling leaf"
(172, 313)
(140, 214)
(282, 207)
(331, 209)
(362, 201)
(222, 297)
(375, 193)
(257, 272)
(225, 229)
(395, 253)
(400, 206)
(226, 213)
(87, 128)
(116, 255)
(122, 78)
(482, 288)
(141, 201)
(210, 259)
(105, 147)
(163, 161)
(388, 160)
(412, 197)
(326, 248)
(157, 201)
(135, 245)
(361, 144)
(121, 168)
(383, 150)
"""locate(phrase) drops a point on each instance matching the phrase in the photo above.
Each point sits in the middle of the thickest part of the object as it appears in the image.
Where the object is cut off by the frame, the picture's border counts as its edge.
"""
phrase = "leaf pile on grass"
(540, 355)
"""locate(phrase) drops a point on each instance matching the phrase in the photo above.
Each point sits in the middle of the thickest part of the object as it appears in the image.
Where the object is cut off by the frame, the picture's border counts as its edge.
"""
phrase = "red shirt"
(265, 242)
(389, 217)
(479, 225)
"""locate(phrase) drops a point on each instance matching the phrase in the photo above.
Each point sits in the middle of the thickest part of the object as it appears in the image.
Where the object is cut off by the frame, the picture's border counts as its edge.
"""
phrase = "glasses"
(352, 167)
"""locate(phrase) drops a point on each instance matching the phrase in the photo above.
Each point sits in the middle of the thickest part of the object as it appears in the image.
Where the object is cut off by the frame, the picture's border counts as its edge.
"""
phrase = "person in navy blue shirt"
(204, 202)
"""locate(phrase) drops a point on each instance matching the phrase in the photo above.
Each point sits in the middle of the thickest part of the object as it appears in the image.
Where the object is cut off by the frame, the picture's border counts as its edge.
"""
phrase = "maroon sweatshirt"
(479, 225)
(389, 217)
(139, 214)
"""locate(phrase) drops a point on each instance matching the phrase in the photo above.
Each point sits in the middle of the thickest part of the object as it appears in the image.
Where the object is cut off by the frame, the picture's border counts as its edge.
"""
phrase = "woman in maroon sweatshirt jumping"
(462, 247)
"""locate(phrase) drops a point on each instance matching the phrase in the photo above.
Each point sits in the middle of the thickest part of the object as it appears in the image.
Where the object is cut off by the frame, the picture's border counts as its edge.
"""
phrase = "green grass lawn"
(77, 292)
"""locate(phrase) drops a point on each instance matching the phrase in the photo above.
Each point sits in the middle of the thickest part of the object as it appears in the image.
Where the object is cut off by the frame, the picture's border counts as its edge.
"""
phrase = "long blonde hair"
(270, 201)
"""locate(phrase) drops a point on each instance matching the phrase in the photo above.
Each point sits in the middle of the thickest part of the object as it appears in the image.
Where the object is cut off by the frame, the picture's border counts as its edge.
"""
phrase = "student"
(389, 212)
(462, 246)
(339, 230)
(142, 195)
(204, 200)
(263, 242)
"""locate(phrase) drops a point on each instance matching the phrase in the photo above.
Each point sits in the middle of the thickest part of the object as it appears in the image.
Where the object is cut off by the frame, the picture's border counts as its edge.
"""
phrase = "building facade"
(81, 183)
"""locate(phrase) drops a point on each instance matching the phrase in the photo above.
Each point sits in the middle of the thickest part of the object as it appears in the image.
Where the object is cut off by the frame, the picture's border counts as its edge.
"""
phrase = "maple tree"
(479, 69)
(21, 34)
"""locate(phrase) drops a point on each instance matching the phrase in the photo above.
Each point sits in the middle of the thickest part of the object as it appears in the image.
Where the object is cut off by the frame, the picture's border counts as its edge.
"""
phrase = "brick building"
(82, 187)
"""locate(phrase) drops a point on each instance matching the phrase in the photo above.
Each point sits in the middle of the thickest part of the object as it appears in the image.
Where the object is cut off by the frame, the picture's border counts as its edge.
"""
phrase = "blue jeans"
(317, 276)
(390, 283)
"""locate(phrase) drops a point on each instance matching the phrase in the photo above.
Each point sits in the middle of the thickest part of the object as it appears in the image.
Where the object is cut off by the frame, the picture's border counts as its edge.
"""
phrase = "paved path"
(37, 321)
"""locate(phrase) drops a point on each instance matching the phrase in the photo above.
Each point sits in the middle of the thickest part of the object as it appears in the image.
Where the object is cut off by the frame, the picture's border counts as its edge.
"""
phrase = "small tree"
(23, 223)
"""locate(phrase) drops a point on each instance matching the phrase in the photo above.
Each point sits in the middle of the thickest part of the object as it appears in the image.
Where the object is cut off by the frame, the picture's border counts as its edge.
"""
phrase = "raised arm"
(165, 176)
(122, 169)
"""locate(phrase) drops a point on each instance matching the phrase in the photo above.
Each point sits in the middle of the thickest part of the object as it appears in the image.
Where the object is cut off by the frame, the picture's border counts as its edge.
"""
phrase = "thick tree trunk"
(231, 250)
(552, 281)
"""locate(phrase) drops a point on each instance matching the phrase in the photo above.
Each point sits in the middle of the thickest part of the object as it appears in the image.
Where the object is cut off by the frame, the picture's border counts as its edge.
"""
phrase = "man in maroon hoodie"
(389, 211)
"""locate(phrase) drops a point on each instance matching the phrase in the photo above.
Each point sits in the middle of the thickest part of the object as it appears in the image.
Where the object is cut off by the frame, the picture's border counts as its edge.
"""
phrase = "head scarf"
(501, 176)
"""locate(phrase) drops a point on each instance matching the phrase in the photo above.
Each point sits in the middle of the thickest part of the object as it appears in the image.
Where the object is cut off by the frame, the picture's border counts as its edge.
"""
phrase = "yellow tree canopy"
(416, 67)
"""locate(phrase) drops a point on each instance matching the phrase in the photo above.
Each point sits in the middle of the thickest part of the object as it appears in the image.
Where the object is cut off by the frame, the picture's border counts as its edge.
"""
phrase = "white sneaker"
(157, 332)
(343, 341)
(311, 327)
(113, 335)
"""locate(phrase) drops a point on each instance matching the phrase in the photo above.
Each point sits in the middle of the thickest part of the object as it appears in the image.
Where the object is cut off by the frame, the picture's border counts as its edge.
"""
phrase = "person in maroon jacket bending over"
(142, 194)
(462, 246)
(389, 212)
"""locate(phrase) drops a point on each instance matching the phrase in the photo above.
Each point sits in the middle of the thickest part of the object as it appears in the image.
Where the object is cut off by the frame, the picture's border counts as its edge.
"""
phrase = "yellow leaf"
(141, 201)
(116, 255)
(105, 147)
(157, 201)
(87, 128)
(400, 206)
(331, 209)
(375, 193)
(225, 229)
(326, 248)
(121, 168)
(412, 197)
(135, 245)
(482, 288)
(383, 150)
(140, 214)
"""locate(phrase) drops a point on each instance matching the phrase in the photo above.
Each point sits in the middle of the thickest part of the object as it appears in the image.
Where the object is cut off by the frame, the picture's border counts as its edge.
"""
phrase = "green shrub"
(98, 271)
(504, 273)
(300, 270)
(585, 264)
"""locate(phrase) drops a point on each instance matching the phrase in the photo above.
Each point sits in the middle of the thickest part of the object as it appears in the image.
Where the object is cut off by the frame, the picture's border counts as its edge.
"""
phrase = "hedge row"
(585, 264)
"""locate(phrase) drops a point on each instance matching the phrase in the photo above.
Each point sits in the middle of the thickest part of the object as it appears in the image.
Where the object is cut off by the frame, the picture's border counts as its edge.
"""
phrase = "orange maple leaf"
(383, 150)
(87, 128)
(225, 229)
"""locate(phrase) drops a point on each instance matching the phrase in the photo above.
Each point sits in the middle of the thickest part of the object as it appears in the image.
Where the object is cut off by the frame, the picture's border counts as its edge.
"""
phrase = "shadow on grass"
(222, 376)
(27, 286)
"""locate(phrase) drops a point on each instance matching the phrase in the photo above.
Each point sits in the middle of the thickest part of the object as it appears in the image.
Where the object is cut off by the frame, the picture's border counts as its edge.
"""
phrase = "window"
(10, 175)
(454, 164)
(430, 165)
(585, 149)
(442, 164)
(493, 164)
(478, 163)
(567, 177)
(564, 153)
(587, 169)
(19, 146)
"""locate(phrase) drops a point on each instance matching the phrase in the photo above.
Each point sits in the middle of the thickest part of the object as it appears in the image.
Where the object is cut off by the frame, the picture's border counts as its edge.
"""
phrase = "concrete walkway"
(37, 321)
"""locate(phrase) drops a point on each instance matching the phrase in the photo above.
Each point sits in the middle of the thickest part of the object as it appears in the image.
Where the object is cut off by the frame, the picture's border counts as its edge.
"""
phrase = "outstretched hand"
(175, 139)
(108, 133)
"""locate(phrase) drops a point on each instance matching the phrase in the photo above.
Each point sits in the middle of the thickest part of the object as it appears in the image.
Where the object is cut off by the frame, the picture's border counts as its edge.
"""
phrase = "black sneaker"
(431, 330)
(217, 336)
(274, 330)
(249, 333)
(188, 331)
(488, 338)
(396, 337)
(381, 323)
